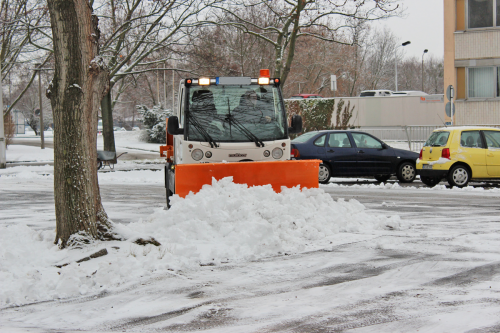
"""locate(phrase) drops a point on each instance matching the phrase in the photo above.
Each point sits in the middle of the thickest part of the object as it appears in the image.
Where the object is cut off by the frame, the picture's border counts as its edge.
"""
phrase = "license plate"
(427, 166)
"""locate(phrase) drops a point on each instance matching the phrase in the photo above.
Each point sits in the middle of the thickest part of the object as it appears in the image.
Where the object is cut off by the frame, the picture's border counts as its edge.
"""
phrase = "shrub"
(318, 114)
(155, 122)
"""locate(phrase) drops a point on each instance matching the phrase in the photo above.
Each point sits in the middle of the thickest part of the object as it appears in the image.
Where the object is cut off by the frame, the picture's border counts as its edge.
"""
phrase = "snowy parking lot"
(349, 256)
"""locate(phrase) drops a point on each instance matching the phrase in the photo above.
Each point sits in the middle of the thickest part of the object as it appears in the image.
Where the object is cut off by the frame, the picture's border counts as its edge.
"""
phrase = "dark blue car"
(354, 154)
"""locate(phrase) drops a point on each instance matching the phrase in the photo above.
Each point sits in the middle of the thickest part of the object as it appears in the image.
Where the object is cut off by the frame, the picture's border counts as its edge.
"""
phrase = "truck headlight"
(277, 153)
(197, 154)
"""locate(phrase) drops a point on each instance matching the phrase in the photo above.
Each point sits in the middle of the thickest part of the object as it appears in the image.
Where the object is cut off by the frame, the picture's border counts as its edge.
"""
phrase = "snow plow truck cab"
(232, 126)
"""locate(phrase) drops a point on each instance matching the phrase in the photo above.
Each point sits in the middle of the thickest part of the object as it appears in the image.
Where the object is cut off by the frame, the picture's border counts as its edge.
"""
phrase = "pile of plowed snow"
(224, 222)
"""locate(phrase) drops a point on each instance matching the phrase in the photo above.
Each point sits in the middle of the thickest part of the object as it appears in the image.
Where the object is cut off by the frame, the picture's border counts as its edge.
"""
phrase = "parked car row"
(456, 154)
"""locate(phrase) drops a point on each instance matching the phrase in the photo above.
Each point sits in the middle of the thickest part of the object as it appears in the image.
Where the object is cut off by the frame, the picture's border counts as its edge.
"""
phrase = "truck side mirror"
(296, 125)
(173, 126)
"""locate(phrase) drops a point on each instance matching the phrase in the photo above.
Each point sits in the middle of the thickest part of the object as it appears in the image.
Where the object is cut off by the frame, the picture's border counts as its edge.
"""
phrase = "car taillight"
(420, 156)
(295, 153)
(445, 153)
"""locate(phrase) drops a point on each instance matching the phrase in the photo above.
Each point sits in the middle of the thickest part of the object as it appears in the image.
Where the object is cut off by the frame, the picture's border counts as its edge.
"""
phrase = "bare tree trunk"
(79, 83)
(107, 123)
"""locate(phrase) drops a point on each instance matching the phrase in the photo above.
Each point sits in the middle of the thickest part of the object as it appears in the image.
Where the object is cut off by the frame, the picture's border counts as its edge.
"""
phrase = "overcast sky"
(422, 25)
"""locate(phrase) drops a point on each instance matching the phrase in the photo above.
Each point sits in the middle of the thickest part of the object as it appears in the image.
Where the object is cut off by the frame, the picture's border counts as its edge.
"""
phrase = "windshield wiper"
(231, 120)
(202, 131)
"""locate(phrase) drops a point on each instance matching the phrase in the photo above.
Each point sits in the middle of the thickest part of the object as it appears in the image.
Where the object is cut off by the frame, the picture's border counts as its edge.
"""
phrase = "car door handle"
(331, 151)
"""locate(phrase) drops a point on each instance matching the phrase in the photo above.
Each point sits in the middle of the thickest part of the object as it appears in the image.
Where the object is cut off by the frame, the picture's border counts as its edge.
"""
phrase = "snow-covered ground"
(228, 240)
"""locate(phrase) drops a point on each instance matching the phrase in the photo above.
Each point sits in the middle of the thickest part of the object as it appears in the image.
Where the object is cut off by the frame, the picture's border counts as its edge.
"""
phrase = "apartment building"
(472, 59)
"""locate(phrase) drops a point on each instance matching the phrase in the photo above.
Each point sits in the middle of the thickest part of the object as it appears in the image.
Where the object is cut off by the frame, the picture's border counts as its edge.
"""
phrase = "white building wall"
(477, 48)
(394, 111)
(477, 44)
(477, 112)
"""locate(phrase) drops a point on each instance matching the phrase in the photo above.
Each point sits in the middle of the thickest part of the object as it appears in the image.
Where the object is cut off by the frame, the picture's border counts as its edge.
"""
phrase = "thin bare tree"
(138, 35)
(22, 39)
(329, 20)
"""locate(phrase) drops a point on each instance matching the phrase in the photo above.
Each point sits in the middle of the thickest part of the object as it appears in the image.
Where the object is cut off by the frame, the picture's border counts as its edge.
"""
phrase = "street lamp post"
(3, 148)
(425, 51)
(173, 86)
(39, 70)
(165, 84)
(396, 62)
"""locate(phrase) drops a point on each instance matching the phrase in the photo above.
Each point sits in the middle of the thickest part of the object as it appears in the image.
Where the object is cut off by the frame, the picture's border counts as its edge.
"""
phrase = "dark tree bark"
(80, 81)
(107, 123)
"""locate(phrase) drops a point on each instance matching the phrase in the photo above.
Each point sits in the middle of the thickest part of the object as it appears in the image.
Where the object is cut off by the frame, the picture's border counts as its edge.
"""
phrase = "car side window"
(365, 141)
(339, 140)
(492, 139)
(471, 139)
(320, 142)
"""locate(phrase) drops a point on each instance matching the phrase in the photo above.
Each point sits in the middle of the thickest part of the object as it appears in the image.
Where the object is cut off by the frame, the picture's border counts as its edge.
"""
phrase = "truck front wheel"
(168, 191)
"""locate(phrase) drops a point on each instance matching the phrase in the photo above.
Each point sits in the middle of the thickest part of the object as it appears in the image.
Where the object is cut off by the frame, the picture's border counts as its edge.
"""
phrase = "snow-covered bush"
(321, 113)
(154, 121)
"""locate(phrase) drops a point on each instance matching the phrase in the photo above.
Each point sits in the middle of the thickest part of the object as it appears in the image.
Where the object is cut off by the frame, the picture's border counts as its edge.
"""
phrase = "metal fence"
(414, 135)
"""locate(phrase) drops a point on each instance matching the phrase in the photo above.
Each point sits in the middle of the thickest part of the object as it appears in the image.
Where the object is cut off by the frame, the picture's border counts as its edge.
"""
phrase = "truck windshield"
(235, 114)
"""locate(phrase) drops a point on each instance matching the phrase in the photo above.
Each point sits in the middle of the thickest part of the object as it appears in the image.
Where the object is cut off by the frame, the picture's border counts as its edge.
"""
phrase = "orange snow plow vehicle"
(232, 126)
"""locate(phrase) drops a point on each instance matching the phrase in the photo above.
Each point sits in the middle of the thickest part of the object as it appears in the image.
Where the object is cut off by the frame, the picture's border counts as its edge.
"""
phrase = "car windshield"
(367, 94)
(437, 139)
(304, 137)
(230, 113)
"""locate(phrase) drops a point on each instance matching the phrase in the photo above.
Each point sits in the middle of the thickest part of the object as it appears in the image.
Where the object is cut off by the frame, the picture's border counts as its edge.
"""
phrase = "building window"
(483, 82)
(483, 13)
(498, 13)
(498, 81)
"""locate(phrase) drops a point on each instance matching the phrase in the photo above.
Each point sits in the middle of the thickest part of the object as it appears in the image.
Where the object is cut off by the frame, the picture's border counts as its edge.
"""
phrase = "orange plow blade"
(191, 177)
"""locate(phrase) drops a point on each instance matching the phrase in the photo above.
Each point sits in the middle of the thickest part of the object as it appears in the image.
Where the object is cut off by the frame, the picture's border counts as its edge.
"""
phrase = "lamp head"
(406, 43)
(425, 51)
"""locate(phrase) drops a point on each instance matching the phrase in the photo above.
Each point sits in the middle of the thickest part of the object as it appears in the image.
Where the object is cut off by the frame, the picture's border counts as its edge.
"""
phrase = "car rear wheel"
(459, 176)
(406, 172)
(382, 178)
(429, 181)
(324, 173)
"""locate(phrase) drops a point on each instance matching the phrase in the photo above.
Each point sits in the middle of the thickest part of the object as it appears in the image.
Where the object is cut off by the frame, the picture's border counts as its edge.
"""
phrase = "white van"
(375, 93)
(99, 126)
(409, 93)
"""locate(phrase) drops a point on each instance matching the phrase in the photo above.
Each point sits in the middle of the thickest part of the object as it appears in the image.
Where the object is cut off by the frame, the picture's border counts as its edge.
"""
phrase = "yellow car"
(460, 154)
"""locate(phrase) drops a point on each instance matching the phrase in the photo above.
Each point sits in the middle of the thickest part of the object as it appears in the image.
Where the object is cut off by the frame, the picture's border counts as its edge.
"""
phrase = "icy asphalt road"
(441, 276)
